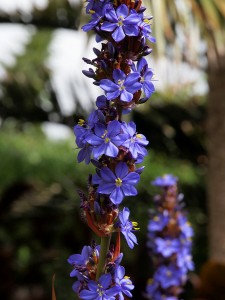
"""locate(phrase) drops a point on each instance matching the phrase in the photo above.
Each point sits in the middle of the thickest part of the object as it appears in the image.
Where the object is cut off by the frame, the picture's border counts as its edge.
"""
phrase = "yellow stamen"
(91, 11)
(135, 224)
(147, 21)
(81, 122)
(120, 22)
(118, 182)
(104, 134)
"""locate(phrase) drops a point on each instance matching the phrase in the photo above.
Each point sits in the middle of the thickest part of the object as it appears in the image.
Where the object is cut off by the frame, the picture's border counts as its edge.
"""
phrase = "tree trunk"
(216, 154)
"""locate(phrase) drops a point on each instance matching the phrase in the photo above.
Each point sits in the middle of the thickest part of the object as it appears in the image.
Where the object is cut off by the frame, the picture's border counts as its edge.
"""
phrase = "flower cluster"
(170, 242)
(113, 282)
(113, 146)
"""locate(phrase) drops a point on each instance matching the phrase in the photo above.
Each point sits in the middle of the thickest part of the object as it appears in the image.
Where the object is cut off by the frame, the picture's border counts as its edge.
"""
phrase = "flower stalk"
(105, 243)
(113, 146)
(169, 242)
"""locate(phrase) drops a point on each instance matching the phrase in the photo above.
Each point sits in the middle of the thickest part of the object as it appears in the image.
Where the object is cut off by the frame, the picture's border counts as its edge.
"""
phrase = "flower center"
(107, 140)
(118, 182)
(142, 79)
(120, 82)
(120, 21)
(99, 290)
(168, 273)
(81, 122)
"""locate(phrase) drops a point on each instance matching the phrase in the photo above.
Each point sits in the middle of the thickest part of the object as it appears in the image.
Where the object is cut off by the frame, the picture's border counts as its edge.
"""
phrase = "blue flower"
(118, 184)
(123, 282)
(169, 239)
(100, 290)
(145, 28)
(101, 101)
(127, 227)
(146, 77)
(166, 247)
(79, 261)
(184, 260)
(135, 142)
(158, 222)
(185, 227)
(106, 139)
(82, 130)
(97, 13)
(165, 180)
(94, 5)
(122, 22)
(168, 276)
(123, 86)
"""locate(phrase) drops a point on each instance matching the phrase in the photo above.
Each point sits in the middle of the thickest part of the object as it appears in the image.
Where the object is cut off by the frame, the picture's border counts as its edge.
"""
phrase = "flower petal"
(107, 26)
(122, 11)
(114, 128)
(132, 178)
(116, 196)
(106, 188)
(126, 96)
(121, 170)
(129, 190)
(118, 35)
(108, 86)
(107, 175)
(118, 75)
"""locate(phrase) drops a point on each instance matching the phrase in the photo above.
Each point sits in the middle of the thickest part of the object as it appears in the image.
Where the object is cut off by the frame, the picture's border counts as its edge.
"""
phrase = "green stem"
(105, 242)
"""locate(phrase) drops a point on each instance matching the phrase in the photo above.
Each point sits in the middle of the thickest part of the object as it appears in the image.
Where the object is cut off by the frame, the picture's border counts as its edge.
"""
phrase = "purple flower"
(97, 13)
(79, 261)
(118, 184)
(145, 28)
(82, 130)
(96, 17)
(184, 260)
(185, 227)
(135, 142)
(101, 101)
(166, 247)
(158, 222)
(127, 227)
(123, 282)
(123, 86)
(165, 180)
(152, 287)
(106, 139)
(122, 22)
(146, 77)
(100, 290)
(168, 276)
(94, 5)
(169, 239)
